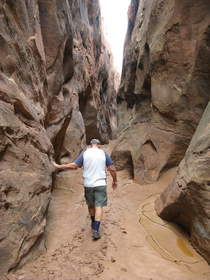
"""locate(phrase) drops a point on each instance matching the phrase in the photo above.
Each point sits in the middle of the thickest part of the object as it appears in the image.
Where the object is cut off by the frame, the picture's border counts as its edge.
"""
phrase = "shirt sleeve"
(109, 161)
(79, 160)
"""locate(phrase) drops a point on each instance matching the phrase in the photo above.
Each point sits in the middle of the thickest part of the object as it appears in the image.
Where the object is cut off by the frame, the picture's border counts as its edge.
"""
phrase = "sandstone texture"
(187, 199)
(165, 83)
(56, 91)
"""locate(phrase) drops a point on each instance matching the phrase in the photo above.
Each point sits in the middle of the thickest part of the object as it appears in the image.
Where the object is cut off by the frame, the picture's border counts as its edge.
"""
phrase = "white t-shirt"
(94, 162)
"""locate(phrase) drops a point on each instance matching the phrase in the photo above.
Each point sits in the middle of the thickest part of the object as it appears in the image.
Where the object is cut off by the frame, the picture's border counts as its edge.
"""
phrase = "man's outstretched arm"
(113, 173)
(71, 165)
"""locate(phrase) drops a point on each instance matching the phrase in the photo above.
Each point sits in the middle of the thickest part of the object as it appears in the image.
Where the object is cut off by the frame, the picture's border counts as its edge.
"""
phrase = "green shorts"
(96, 196)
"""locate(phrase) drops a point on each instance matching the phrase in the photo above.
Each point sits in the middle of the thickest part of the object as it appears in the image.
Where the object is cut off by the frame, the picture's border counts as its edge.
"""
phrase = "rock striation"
(165, 83)
(56, 91)
(186, 201)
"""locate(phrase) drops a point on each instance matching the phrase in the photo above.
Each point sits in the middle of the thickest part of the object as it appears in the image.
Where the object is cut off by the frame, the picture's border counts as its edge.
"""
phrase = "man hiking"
(94, 162)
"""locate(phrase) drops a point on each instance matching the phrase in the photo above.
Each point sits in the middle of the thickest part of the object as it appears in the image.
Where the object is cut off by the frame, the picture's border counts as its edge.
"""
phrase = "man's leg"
(97, 222)
(89, 196)
(100, 201)
(91, 210)
(98, 213)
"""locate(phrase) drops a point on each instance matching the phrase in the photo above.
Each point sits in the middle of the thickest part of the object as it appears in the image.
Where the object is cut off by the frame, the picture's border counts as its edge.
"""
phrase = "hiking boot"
(96, 235)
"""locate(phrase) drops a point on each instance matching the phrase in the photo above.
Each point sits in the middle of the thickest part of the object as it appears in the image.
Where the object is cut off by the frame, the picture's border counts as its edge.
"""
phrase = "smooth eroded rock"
(165, 81)
(186, 201)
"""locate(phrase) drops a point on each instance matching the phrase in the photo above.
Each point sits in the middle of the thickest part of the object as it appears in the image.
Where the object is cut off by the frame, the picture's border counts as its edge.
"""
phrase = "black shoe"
(96, 235)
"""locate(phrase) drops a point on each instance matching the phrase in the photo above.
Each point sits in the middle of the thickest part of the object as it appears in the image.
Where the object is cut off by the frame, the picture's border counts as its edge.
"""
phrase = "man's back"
(94, 167)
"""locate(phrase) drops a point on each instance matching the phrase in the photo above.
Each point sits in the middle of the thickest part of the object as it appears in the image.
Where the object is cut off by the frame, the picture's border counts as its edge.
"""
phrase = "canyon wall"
(187, 199)
(164, 86)
(56, 92)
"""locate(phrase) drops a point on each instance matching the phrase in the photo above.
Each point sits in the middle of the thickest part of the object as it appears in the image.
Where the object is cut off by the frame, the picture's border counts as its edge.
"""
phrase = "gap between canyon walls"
(56, 92)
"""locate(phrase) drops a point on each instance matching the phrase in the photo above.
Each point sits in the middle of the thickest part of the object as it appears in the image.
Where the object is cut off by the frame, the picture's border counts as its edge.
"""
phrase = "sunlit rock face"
(165, 82)
(187, 200)
(56, 91)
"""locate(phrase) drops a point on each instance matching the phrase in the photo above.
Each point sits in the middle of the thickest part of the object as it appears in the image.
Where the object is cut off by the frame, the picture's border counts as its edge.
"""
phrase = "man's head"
(95, 142)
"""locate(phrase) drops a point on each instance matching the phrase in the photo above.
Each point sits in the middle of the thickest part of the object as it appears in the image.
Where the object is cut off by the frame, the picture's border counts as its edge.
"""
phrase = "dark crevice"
(167, 167)
(19, 108)
(83, 99)
(58, 141)
(146, 47)
(89, 114)
(103, 90)
(141, 64)
(147, 86)
(120, 99)
(68, 67)
(151, 144)
(123, 161)
(103, 77)
(135, 99)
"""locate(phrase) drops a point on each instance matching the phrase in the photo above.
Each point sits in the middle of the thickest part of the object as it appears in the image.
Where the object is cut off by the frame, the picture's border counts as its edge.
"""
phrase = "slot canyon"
(59, 89)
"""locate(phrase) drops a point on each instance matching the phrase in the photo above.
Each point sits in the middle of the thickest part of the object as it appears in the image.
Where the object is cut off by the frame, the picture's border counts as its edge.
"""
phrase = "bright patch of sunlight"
(115, 20)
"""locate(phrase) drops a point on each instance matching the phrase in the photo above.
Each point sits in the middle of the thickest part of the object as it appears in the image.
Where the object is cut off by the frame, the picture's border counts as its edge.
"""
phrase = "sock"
(96, 225)
(92, 220)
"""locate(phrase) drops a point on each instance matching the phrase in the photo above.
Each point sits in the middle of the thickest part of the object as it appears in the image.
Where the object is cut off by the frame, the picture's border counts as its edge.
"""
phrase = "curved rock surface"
(187, 199)
(165, 82)
(56, 90)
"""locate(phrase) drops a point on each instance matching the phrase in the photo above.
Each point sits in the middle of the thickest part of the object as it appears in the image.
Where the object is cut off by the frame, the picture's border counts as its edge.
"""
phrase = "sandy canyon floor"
(135, 243)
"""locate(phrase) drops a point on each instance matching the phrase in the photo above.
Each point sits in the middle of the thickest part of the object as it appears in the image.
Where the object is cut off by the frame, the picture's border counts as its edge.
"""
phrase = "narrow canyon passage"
(60, 88)
(135, 243)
